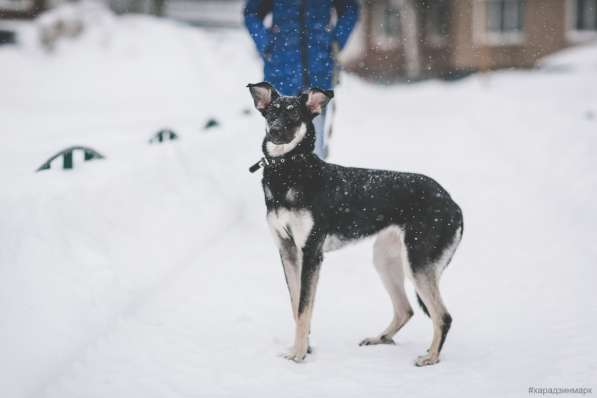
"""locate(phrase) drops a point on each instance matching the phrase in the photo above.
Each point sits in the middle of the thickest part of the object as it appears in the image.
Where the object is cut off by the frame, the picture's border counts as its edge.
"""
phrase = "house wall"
(435, 56)
(546, 22)
(463, 53)
(379, 61)
(384, 60)
(544, 32)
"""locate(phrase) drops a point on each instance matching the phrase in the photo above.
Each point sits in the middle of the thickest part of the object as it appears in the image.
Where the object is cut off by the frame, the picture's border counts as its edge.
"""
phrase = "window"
(499, 22)
(391, 20)
(504, 16)
(387, 24)
(586, 15)
(582, 20)
(438, 21)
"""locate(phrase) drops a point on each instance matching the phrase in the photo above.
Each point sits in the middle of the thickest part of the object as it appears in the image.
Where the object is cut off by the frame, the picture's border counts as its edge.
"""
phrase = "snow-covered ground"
(152, 273)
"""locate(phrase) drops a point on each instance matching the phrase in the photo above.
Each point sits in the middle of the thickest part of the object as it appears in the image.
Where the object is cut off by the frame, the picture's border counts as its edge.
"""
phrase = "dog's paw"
(295, 356)
(298, 355)
(377, 340)
(426, 360)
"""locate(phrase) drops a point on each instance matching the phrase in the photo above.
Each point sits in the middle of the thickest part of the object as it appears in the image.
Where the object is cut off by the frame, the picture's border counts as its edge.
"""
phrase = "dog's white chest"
(291, 224)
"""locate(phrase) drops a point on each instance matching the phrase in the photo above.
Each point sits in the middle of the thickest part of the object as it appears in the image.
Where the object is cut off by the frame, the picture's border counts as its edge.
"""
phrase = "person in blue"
(299, 48)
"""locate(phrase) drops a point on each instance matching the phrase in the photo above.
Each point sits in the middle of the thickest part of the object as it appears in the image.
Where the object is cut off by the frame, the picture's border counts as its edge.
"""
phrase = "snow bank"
(578, 59)
(82, 248)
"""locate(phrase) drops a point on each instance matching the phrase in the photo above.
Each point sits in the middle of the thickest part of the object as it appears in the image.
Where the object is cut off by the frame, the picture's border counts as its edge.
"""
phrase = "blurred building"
(210, 13)
(402, 38)
(22, 9)
(204, 13)
(421, 38)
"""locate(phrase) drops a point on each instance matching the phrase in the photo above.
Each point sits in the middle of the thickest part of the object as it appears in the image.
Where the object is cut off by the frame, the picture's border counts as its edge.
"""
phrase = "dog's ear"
(263, 94)
(316, 99)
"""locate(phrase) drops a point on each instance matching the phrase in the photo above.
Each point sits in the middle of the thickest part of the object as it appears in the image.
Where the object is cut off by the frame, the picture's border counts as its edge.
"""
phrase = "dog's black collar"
(267, 162)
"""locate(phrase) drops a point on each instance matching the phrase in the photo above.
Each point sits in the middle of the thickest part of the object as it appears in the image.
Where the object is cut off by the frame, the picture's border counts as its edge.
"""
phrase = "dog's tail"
(422, 305)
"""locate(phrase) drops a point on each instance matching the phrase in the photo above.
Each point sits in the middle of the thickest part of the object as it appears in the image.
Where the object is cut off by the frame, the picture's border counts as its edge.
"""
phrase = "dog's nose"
(275, 136)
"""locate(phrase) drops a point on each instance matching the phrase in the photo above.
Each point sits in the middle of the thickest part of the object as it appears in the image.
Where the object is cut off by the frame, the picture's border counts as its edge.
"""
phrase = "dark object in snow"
(211, 123)
(590, 115)
(7, 37)
(246, 111)
(67, 157)
(163, 135)
(456, 74)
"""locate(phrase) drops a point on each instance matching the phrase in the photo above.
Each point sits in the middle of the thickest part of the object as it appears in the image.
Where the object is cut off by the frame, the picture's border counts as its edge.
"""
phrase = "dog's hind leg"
(426, 279)
(388, 259)
(427, 286)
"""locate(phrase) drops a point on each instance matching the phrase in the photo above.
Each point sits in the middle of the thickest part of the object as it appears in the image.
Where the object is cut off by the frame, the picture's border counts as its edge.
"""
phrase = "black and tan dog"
(314, 207)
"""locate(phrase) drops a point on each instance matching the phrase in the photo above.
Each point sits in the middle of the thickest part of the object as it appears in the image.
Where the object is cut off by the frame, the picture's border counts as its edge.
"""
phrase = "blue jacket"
(297, 49)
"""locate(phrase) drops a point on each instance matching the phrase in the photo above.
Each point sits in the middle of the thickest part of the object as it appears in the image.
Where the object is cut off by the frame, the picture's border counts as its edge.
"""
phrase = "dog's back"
(353, 203)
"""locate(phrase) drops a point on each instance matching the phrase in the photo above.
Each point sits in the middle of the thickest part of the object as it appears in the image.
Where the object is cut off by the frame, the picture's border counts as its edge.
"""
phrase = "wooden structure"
(453, 37)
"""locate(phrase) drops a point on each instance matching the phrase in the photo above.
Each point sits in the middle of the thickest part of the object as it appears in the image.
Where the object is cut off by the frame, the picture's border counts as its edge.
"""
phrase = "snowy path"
(218, 329)
(153, 273)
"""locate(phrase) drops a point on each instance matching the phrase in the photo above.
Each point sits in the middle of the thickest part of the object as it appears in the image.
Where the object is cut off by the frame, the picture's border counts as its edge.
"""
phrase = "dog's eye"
(290, 107)
(277, 106)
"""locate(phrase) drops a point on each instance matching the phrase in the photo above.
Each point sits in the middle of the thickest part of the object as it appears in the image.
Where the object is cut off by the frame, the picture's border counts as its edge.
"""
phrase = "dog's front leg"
(291, 265)
(309, 276)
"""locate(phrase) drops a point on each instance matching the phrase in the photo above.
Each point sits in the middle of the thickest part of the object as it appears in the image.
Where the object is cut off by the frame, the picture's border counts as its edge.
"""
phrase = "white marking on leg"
(303, 324)
(295, 224)
(387, 258)
(427, 286)
(292, 226)
(447, 254)
(292, 267)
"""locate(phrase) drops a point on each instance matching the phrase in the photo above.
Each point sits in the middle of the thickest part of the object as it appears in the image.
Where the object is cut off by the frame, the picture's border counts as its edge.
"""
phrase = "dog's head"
(288, 118)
